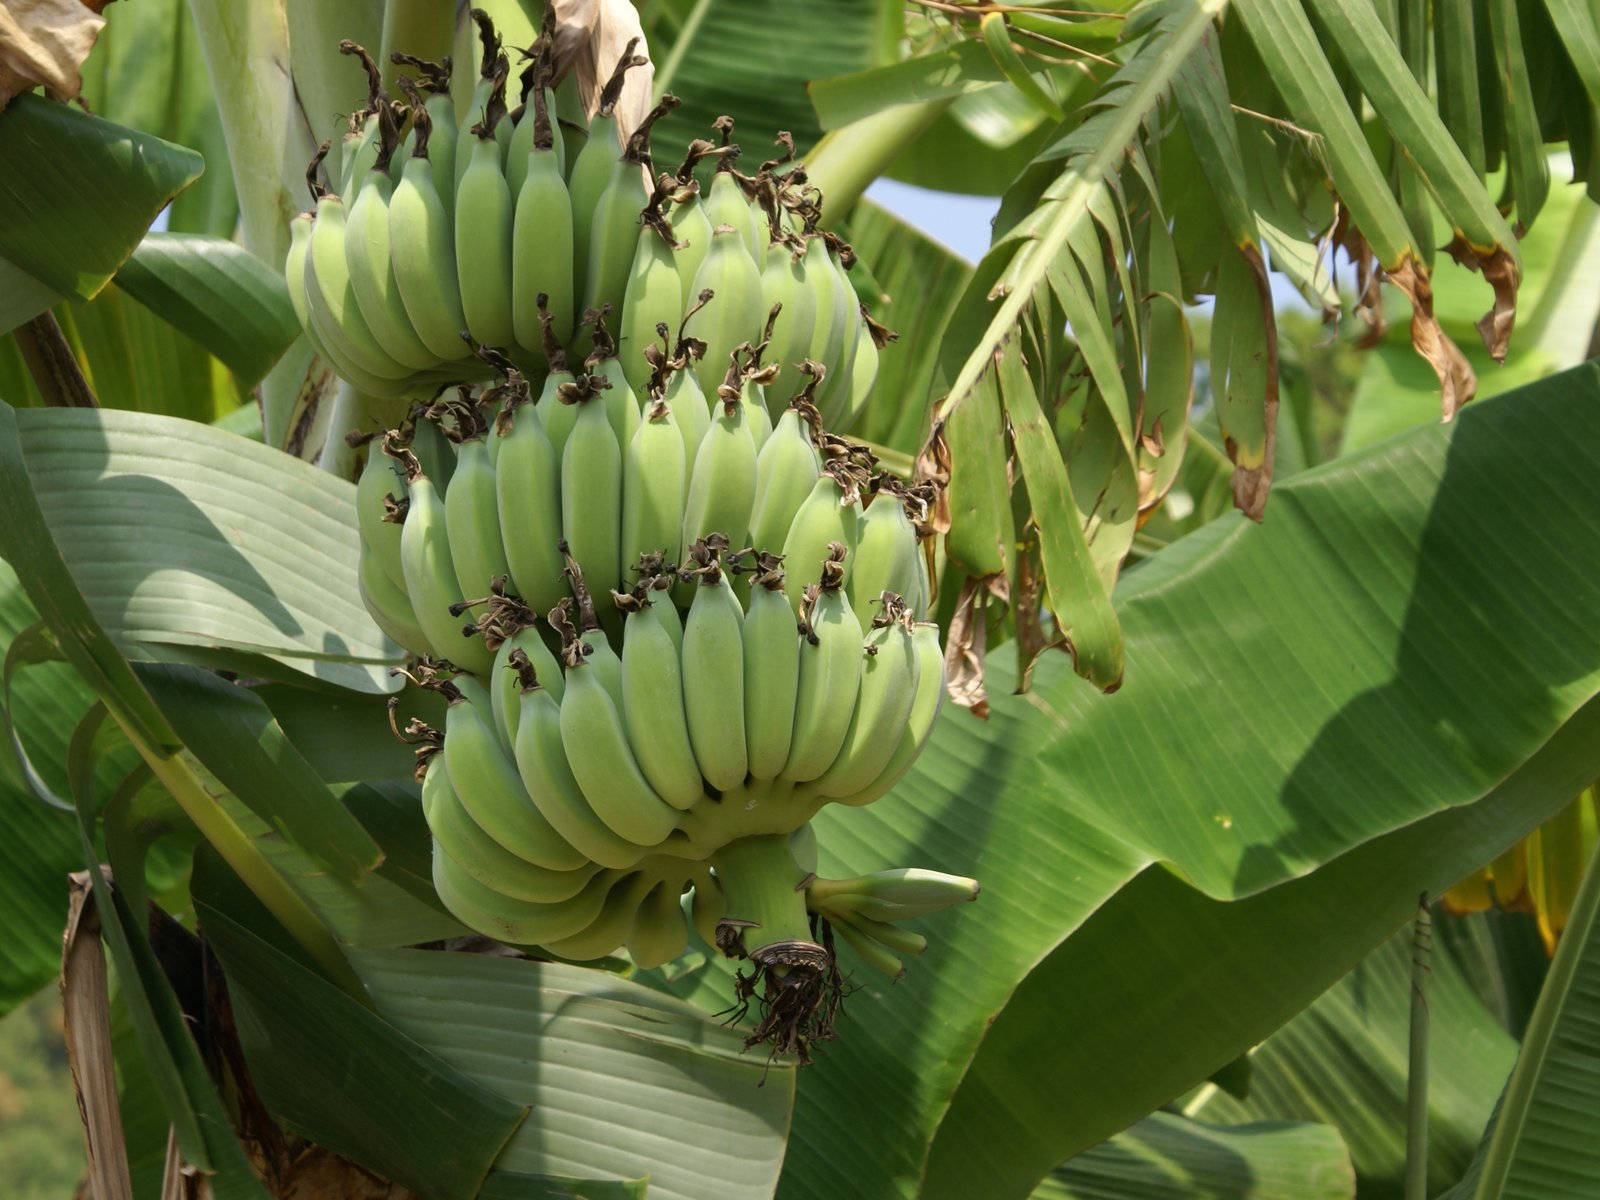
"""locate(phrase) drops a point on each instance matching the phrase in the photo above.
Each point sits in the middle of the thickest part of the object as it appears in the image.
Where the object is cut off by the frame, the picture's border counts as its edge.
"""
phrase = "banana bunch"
(440, 234)
(672, 613)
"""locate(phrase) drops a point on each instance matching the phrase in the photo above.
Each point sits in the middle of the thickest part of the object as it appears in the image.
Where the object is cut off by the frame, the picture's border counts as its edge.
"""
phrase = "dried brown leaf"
(1251, 484)
(964, 645)
(590, 38)
(43, 43)
(1457, 383)
(1501, 270)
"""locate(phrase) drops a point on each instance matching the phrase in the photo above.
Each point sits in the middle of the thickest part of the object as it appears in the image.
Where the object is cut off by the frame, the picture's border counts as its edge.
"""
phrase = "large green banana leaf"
(1172, 872)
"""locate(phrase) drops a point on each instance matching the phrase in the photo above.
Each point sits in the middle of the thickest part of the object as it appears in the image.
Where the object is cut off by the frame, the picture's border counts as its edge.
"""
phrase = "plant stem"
(846, 160)
(761, 883)
(52, 364)
(1417, 1069)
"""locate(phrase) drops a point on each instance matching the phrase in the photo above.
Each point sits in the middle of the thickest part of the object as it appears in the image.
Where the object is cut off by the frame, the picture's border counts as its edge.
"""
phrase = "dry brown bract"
(591, 36)
(44, 42)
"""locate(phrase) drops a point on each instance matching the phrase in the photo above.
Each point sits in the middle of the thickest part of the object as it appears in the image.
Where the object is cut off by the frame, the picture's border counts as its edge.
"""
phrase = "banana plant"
(1310, 725)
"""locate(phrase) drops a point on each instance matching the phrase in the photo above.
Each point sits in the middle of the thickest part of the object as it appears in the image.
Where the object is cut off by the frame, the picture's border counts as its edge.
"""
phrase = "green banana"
(693, 230)
(331, 300)
(614, 225)
(870, 339)
(527, 480)
(689, 405)
(472, 520)
(653, 488)
(388, 605)
(484, 217)
(542, 236)
(827, 323)
(830, 675)
(622, 406)
(591, 490)
(366, 246)
(910, 888)
(659, 933)
(602, 762)
(827, 516)
(731, 275)
(722, 484)
(787, 470)
(652, 296)
(713, 671)
(834, 394)
(430, 574)
(783, 284)
(612, 923)
(556, 415)
(653, 708)
(483, 858)
(871, 952)
(771, 670)
(422, 249)
(888, 688)
(919, 725)
(547, 775)
(572, 122)
(358, 149)
(493, 71)
(486, 779)
(519, 641)
(380, 507)
(517, 922)
(591, 168)
(887, 557)
(727, 205)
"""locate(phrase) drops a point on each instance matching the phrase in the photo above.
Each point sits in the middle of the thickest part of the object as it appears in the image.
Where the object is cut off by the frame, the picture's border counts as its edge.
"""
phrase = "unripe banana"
(830, 675)
(901, 941)
(690, 408)
(591, 168)
(732, 316)
(485, 777)
(294, 274)
(430, 576)
(652, 296)
(693, 230)
(863, 374)
(722, 485)
(572, 122)
(653, 487)
(727, 205)
(538, 105)
(828, 515)
(622, 405)
(472, 520)
(659, 933)
(556, 416)
(331, 300)
(713, 675)
(422, 251)
(483, 246)
(834, 394)
(483, 858)
(887, 557)
(871, 952)
(527, 478)
(883, 704)
(653, 709)
(613, 235)
(389, 606)
(505, 685)
(603, 764)
(441, 157)
(542, 236)
(516, 922)
(828, 323)
(783, 284)
(612, 923)
(380, 493)
(771, 671)
(907, 887)
(919, 725)
(547, 775)
(493, 71)
(358, 152)
(434, 453)
(787, 470)
(366, 246)
(753, 392)
(604, 663)
(591, 493)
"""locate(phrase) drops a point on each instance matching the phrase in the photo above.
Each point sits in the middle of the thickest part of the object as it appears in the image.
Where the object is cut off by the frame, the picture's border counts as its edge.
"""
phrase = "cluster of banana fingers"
(673, 612)
(441, 227)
